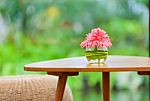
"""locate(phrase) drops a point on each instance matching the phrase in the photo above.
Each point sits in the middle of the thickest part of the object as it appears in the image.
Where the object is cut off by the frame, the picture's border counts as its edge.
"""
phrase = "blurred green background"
(37, 30)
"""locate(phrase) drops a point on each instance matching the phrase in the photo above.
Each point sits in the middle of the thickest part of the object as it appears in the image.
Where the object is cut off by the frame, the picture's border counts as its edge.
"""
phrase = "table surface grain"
(114, 63)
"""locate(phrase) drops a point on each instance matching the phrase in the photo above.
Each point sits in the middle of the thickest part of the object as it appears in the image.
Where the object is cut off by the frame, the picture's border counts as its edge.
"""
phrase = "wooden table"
(72, 66)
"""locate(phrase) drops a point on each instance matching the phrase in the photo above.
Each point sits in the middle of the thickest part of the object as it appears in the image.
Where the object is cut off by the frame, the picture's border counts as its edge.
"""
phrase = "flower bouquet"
(96, 46)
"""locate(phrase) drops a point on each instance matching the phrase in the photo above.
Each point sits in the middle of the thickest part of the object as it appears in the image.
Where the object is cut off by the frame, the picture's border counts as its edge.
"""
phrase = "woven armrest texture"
(30, 88)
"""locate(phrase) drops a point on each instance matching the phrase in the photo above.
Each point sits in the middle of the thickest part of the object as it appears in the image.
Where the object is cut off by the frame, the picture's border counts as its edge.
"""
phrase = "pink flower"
(97, 37)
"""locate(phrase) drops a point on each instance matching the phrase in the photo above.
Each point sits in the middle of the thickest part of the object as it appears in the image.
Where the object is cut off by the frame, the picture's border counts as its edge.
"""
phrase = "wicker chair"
(30, 88)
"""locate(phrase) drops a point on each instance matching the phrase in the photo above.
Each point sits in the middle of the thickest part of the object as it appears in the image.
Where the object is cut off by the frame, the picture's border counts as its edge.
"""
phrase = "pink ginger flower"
(97, 37)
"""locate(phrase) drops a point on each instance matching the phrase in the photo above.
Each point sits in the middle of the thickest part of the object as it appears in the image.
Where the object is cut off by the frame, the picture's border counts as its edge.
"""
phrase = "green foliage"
(45, 30)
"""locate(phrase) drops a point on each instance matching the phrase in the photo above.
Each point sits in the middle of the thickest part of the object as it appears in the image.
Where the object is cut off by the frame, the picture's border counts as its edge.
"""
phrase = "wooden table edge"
(86, 69)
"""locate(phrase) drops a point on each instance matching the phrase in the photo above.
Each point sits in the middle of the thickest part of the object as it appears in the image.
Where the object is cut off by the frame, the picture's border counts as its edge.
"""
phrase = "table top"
(114, 63)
